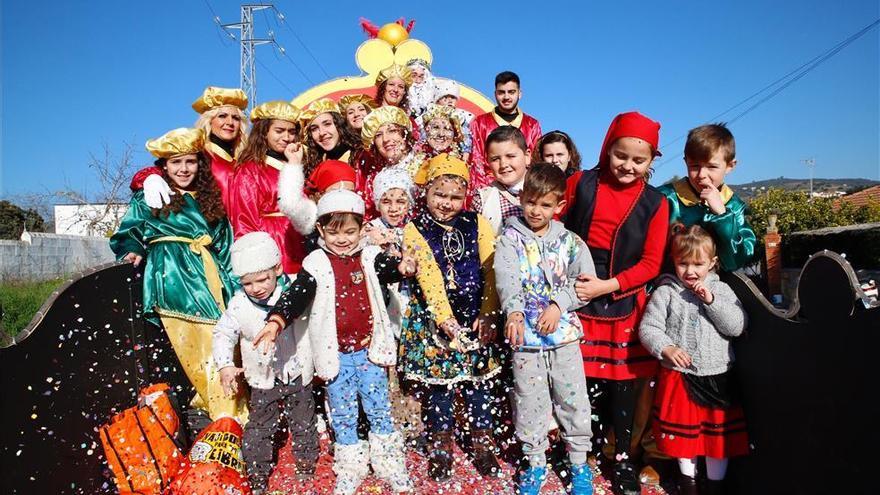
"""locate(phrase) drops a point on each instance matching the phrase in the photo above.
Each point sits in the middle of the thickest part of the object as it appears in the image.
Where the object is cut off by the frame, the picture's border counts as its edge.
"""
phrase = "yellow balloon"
(393, 33)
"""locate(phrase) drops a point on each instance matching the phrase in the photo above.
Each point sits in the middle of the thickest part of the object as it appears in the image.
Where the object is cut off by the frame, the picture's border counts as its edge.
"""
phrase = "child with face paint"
(446, 94)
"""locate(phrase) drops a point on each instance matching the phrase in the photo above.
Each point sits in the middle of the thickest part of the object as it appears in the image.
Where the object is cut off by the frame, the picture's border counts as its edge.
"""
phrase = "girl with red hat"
(624, 221)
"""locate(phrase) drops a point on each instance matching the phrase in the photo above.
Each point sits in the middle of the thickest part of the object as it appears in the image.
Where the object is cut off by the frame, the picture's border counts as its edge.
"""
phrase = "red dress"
(611, 348)
(685, 429)
(481, 127)
(254, 207)
(223, 170)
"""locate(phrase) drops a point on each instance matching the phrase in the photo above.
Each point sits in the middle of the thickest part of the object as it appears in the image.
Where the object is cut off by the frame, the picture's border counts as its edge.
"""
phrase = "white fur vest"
(321, 321)
(241, 322)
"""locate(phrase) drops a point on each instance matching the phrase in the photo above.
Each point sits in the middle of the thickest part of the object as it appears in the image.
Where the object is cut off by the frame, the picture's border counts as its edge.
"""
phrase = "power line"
(218, 25)
(281, 82)
(298, 68)
(800, 72)
(283, 20)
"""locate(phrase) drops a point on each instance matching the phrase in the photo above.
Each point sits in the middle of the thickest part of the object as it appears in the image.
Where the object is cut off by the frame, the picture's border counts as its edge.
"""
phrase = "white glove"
(156, 191)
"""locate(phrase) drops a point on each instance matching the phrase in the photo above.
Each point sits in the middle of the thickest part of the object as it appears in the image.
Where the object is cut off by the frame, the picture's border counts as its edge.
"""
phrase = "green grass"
(21, 300)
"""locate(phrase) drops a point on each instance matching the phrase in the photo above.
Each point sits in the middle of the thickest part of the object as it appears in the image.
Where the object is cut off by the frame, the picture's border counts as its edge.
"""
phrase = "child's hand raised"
(549, 319)
(515, 329)
(703, 292)
(267, 336)
(229, 380)
(676, 356)
(711, 196)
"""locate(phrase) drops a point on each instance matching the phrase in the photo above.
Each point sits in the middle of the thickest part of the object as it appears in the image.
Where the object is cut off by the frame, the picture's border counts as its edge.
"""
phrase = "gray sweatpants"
(551, 382)
(264, 419)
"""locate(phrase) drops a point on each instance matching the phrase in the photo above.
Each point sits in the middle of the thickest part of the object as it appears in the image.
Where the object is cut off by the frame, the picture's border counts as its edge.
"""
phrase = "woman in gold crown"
(355, 107)
(388, 142)
(326, 134)
(221, 116)
(392, 90)
(186, 248)
(272, 145)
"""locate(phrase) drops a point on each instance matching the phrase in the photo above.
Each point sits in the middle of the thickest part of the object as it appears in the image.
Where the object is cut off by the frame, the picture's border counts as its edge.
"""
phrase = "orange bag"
(140, 443)
(215, 465)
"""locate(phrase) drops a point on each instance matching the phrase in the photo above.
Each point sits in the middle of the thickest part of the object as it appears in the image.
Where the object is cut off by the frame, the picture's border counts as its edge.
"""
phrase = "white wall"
(95, 220)
(50, 256)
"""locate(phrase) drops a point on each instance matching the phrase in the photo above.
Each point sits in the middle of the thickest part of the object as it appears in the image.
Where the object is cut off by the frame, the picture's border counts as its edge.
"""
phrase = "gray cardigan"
(676, 316)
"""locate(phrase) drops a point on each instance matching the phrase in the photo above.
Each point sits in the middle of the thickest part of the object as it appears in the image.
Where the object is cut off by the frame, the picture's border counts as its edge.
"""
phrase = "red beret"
(631, 124)
(329, 172)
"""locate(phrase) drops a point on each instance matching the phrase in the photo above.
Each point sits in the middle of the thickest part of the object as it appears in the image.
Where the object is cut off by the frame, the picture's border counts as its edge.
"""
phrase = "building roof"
(863, 197)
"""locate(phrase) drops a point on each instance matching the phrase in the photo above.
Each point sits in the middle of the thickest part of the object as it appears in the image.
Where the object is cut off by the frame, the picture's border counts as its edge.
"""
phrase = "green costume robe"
(733, 236)
(175, 282)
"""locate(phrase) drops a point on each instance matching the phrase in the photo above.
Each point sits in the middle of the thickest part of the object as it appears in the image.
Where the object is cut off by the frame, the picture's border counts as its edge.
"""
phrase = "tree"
(99, 212)
(111, 200)
(14, 219)
(795, 211)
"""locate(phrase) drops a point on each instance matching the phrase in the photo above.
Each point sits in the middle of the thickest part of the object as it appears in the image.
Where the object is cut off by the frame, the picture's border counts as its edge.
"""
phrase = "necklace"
(453, 250)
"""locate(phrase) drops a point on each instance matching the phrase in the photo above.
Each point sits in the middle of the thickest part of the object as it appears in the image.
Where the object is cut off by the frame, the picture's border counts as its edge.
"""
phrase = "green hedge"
(21, 300)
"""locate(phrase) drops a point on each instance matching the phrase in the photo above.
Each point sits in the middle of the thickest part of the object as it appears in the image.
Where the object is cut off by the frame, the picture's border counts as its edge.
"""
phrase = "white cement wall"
(50, 256)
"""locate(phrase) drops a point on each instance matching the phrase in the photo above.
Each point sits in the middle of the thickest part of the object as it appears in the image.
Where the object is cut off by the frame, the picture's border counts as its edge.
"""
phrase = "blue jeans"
(478, 406)
(358, 377)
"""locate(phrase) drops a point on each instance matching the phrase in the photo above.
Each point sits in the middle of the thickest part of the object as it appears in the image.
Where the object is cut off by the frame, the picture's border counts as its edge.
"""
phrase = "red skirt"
(684, 429)
(612, 350)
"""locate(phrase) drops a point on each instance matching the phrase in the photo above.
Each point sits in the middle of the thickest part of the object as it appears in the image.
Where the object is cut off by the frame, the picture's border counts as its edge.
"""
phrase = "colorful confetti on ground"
(464, 481)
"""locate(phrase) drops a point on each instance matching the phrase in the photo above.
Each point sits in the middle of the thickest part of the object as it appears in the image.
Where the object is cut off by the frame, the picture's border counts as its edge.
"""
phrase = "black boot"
(440, 456)
(484, 454)
(626, 481)
(714, 487)
(687, 485)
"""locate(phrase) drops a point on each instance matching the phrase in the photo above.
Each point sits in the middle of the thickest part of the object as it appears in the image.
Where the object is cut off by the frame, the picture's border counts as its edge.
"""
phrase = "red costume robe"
(254, 207)
(481, 127)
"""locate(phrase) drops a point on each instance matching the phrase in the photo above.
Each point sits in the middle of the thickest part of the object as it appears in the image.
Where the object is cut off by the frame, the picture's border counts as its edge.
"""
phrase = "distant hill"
(821, 186)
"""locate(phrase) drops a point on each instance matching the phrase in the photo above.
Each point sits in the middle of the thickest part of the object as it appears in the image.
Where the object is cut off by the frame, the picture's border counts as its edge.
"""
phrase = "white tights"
(715, 468)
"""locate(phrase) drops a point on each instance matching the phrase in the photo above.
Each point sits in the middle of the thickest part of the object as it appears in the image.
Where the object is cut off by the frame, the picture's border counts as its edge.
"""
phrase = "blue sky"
(76, 75)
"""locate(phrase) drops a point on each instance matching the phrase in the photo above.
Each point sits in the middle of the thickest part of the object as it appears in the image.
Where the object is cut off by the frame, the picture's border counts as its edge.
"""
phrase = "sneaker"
(531, 480)
(581, 479)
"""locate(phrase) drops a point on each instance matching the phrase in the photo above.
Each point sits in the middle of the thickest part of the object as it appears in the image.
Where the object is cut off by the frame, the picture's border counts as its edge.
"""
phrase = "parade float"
(805, 374)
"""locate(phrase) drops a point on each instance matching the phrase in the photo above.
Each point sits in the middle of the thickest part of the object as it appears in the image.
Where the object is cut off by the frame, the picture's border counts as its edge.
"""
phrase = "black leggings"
(615, 403)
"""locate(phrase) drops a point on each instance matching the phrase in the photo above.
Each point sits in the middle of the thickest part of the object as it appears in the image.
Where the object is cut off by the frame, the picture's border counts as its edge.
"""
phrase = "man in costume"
(507, 112)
